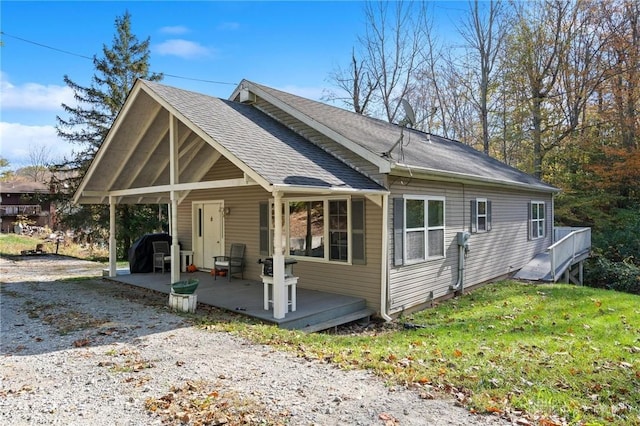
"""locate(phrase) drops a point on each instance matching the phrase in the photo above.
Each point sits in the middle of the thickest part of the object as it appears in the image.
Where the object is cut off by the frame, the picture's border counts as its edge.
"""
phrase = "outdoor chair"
(232, 263)
(161, 255)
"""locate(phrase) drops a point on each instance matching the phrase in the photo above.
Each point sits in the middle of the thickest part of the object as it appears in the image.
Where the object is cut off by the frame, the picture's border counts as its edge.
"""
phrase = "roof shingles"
(267, 147)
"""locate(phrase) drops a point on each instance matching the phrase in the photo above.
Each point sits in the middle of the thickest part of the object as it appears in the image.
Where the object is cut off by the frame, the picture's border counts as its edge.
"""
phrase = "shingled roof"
(419, 151)
(279, 155)
(133, 161)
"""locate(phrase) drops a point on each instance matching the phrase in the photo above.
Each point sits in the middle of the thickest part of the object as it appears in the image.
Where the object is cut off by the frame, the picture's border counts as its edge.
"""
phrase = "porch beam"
(223, 183)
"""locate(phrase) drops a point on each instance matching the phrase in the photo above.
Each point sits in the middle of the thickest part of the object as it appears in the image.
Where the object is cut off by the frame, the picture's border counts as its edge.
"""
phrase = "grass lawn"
(13, 244)
(555, 354)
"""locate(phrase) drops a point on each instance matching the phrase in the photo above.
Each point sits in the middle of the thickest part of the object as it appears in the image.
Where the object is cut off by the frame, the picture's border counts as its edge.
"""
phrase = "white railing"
(570, 242)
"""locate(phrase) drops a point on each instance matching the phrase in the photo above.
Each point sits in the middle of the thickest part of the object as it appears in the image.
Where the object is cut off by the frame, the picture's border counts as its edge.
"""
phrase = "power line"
(45, 46)
(91, 59)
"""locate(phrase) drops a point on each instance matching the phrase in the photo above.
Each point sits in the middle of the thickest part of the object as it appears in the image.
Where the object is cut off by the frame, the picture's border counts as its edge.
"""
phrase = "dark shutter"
(357, 231)
(398, 231)
(474, 216)
(264, 229)
(529, 227)
(488, 215)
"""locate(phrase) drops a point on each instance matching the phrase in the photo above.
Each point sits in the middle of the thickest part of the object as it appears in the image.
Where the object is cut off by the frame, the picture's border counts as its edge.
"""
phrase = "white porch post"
(279, 289)
(112, 237)
(175, 247)
(173, 180)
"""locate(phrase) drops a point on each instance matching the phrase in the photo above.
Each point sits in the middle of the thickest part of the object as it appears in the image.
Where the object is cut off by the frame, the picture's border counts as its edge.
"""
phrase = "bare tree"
(39, 161)
(356, 85)
(538, 47)
(392, 47)
(484, 32)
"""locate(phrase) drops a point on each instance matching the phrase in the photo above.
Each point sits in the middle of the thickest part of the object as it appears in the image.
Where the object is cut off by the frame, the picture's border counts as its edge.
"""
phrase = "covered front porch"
(315, 310)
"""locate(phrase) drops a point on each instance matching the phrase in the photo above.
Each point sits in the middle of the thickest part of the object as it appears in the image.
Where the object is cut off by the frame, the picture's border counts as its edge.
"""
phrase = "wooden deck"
(315, 311)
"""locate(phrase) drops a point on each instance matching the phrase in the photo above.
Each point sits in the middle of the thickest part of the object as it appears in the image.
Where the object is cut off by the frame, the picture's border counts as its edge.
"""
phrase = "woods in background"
(550, 87)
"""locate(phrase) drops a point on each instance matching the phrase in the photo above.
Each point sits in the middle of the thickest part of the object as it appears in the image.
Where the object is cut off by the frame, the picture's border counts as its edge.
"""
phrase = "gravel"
(77, 352)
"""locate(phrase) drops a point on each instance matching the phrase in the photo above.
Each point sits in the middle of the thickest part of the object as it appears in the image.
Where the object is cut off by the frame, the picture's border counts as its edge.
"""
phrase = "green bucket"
(186, 286)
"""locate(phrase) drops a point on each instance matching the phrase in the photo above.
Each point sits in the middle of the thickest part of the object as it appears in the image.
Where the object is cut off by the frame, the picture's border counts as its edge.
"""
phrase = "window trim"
(427, 228)
(534, 222)
(326, 232)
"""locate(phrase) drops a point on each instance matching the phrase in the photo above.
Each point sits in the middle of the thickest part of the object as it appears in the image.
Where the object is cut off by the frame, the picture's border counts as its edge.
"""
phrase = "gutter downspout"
(384, 272)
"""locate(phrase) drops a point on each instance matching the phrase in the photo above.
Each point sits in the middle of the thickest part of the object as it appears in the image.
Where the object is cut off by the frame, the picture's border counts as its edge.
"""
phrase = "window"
(418, 229)
(324, 229)
(338, 230)
(480, 215)
(306, 228)
(536, 214)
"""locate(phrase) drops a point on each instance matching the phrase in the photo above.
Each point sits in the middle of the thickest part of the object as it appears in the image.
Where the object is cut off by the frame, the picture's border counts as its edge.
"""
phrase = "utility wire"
(45, 46)
(91, 59)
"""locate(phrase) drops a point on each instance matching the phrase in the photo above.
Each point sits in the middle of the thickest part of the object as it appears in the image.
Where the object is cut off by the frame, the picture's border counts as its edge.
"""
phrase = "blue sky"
(292, 46)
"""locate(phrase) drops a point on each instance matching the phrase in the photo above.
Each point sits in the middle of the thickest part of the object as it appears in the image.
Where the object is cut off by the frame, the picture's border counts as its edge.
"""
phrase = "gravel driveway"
(78, 352)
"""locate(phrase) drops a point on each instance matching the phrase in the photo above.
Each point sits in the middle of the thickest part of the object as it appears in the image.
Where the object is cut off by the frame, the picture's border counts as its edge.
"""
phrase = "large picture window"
(325, 229)
(537, 227)
(424, 228)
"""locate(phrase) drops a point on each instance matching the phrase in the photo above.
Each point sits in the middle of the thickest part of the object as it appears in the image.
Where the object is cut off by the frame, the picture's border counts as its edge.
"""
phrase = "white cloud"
(18, 140)
(183, 48)
(33, 96)
(177, 29)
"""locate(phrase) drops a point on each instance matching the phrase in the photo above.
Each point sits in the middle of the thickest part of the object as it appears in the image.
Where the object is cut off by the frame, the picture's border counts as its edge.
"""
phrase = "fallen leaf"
(81, 342)
(457, 353)
(492, 409)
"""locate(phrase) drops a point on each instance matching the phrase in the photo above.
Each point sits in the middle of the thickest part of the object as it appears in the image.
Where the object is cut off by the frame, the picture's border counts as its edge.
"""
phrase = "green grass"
(552, 353)
(13, 244)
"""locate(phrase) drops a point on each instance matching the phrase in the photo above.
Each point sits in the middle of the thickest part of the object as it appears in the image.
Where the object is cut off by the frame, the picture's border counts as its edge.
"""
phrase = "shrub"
(620, 276)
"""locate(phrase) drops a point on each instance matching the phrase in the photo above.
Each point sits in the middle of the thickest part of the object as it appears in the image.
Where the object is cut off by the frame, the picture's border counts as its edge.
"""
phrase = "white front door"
(208, 235)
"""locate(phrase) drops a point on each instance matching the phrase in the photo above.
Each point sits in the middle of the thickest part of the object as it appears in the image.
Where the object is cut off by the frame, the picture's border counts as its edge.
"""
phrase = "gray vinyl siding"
(503, 250)
(242, 226)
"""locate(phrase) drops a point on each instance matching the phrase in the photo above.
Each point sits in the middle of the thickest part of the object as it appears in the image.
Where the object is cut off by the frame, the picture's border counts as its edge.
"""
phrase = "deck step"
(344, 319)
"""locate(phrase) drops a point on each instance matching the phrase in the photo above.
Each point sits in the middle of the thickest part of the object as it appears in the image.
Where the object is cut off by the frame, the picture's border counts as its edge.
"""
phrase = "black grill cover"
(141, 252)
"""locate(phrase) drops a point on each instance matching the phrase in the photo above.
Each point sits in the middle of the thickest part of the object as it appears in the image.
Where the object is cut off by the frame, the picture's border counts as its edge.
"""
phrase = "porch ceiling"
(138, 156)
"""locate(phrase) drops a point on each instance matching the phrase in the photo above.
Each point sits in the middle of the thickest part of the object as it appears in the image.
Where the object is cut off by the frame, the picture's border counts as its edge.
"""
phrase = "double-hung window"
(537, 218)
(480, 215)
(419, 233)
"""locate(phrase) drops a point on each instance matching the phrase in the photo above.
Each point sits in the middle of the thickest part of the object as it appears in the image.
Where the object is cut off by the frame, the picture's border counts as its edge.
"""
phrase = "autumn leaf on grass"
(81, 342)
(492, 409)
(457, 353)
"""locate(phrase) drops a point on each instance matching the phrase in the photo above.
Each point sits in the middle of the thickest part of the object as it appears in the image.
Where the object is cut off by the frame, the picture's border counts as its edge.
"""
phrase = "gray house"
(367, 208)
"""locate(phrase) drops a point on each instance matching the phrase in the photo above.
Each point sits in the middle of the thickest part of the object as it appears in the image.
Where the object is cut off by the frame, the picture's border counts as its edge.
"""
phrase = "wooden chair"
(161, 255)
(232, 263)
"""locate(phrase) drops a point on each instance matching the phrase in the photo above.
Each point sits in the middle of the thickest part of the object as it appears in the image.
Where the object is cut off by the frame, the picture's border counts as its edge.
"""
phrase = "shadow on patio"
(315, 311)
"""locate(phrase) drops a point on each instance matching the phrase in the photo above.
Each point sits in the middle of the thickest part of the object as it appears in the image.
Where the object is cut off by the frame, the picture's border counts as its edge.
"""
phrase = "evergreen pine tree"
(87, 125)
